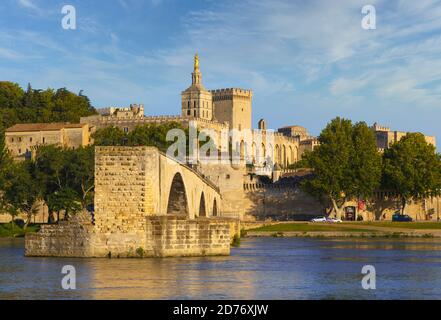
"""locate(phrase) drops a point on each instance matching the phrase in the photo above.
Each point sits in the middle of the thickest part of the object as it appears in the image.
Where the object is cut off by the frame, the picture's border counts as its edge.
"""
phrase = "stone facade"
(22, 140)
(385, 136)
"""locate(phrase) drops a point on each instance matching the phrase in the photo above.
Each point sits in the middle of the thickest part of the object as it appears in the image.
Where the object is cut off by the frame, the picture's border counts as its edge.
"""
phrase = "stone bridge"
(146, 205)
(134, 182)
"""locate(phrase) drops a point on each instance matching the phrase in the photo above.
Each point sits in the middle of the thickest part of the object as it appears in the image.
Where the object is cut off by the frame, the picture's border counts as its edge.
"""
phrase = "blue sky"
(306, 61)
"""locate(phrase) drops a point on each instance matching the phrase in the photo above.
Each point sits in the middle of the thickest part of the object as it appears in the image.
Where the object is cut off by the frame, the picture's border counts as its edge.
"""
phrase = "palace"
(219, 109)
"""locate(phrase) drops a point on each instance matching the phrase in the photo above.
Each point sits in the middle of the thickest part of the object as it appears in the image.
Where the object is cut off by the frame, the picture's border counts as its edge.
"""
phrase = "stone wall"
(178, 236)
(66, 239)
(280, 202)
(165, 236)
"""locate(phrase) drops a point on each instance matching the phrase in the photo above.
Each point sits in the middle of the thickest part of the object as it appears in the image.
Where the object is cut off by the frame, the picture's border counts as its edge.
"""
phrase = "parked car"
(397, 217)
(334, 220)
(319, 219)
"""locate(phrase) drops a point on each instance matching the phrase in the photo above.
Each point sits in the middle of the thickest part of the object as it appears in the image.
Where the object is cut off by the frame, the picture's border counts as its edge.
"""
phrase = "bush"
(236, 241)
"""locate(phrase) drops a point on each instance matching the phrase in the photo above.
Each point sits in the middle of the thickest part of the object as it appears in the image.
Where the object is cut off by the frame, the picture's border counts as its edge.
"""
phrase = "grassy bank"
(350, 229)
(400, 225)
(308, 227)
(8, 230)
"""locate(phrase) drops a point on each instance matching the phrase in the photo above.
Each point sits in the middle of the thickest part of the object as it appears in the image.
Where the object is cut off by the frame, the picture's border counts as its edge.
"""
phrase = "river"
(261, 268)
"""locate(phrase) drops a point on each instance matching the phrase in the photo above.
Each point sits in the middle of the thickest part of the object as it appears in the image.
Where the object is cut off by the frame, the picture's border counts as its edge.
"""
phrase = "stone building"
(219, 109)
(23, 139)
(385, 136)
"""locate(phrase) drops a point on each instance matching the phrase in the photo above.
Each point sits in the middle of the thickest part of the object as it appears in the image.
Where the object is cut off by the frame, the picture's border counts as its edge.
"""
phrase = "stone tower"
(196, 100)
(233, 106)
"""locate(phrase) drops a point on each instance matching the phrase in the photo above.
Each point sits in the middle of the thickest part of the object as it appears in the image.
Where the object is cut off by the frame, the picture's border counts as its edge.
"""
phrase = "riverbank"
(349, 229)
(7, 230)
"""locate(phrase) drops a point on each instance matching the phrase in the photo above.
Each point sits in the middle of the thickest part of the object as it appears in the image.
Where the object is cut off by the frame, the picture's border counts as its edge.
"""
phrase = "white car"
(319, 219)
(334, 220)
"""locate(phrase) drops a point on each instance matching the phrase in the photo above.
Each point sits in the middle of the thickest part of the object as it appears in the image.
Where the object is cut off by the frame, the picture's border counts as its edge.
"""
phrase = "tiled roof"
(26, 127)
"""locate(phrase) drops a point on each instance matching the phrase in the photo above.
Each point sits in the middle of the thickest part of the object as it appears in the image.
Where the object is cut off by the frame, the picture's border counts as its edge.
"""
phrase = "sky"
(306, 61)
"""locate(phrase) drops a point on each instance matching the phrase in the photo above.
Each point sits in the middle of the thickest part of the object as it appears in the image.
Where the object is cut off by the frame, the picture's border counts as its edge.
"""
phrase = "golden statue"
(196, 62)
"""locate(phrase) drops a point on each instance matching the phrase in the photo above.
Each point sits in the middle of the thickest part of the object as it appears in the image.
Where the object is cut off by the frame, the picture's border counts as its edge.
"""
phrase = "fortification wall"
(165, 236)
(280, 202)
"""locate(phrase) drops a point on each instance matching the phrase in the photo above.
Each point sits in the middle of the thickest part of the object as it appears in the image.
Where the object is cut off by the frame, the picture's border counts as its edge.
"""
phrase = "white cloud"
(30, 4)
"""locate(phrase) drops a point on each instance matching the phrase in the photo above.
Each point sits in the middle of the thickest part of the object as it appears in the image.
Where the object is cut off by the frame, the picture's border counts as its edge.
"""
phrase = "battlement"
(230, 92)
(377, 127)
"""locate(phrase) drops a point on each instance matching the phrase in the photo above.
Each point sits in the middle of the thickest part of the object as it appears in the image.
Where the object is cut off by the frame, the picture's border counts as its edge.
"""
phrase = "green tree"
(81, 170)
(66, 177)
(19, 106)
(65, 199)
(412, 169)
(346, 164)
(152, 135)
(11, 95)
(21, 191)
(365, 161)
(109, 136)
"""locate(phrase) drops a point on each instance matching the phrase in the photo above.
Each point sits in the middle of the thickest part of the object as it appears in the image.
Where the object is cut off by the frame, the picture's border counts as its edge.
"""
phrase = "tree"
(66, 199)
(81, 170)
(346, 164)
(109, 136)
(366, 161)
(152, 135)
(66, 177)
(19, 106)
(21, 192)
(411, 169)
(143, 135)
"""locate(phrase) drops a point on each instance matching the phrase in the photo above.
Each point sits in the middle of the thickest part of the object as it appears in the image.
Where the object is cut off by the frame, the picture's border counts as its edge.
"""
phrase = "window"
(188, 112)
(19, 151)
(12, 139)
(228, 176)
(19, 139)
(30, 139)
(126, 130)
(44, 139)
(188, 104)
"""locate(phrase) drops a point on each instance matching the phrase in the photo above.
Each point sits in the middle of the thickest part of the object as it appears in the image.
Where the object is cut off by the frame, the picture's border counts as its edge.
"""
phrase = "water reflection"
(270, 268)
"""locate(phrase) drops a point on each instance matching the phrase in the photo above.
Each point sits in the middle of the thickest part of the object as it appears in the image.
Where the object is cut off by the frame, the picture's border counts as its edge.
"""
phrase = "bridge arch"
(177, 199)
(215, 212)
(202, 207)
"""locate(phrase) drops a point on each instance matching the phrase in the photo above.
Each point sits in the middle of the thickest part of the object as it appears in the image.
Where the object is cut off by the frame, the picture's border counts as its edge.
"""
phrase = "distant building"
(385, 136)
(23, 139)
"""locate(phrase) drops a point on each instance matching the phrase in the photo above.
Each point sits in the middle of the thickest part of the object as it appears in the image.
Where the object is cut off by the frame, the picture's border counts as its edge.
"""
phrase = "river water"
(262, 268)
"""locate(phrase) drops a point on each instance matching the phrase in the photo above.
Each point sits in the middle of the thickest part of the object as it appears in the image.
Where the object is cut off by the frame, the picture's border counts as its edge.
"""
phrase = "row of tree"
(62, 178)
(31, 105)
(142, 135)
(348, 166)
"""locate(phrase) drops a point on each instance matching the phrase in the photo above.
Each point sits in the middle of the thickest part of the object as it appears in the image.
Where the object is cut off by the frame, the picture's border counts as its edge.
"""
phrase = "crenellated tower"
(233, 106)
